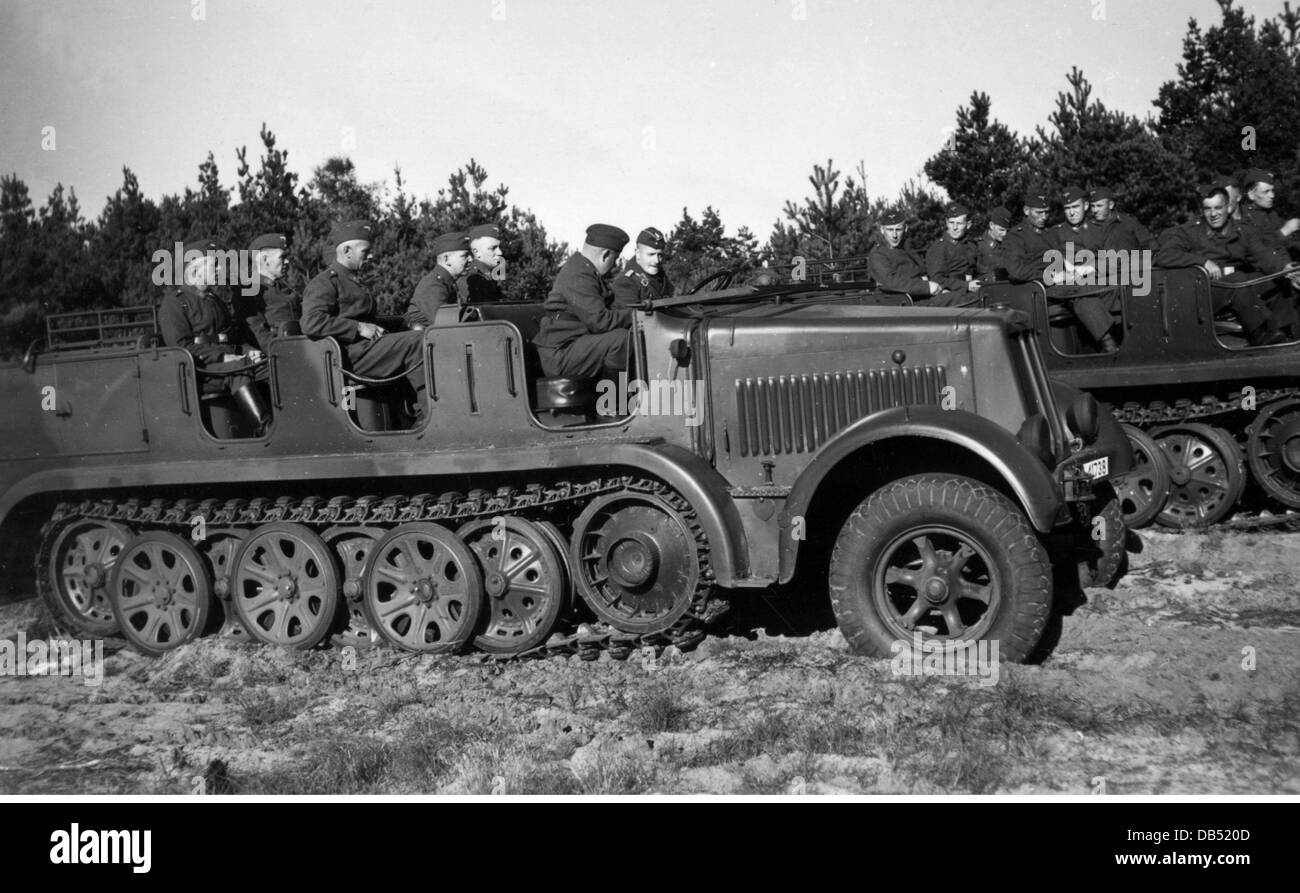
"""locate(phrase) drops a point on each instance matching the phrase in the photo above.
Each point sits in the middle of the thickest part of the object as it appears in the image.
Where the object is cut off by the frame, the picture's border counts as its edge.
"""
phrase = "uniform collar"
(443, 273)
(342, 270)
(482, 269)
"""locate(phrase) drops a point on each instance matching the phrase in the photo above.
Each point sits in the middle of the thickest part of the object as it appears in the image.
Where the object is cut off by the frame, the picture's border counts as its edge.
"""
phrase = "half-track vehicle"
(920, 458)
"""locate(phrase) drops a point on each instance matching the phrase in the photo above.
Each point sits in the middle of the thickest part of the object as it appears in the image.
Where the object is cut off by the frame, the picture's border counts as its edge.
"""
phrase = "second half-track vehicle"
(918, 461)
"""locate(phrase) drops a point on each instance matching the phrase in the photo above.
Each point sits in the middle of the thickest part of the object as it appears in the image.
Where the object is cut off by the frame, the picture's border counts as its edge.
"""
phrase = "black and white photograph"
(752, 400)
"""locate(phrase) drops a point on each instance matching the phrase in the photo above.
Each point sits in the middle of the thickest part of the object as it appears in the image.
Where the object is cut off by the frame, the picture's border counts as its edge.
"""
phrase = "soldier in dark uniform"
(482, 283)
(897, 270)
(584, 334)
(1033, 255)
(990, 260)
(1257, 212)
(643, 279)
(1113, 231)
(193, 317)
(273, 305)
(336, 305)
(953, 259)
(438, 287)
(1074, 229)
(1229, 252)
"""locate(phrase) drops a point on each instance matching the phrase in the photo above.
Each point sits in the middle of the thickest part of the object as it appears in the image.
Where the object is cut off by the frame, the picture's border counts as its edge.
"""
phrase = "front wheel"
(945, 558)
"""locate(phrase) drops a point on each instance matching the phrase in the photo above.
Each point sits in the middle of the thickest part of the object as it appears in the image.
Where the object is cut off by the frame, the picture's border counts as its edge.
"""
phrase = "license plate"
(1097, 468)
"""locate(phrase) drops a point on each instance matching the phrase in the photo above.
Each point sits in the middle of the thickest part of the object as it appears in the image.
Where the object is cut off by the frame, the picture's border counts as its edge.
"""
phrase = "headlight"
(1084, 417)
(1036, 435)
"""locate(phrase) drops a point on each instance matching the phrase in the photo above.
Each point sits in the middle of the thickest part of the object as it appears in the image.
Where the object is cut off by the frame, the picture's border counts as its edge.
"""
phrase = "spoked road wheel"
(423, 589)
(1273, 451)
(285, 586)
(353, 545)
(943, 558)
(81, 562)
(161, 592)
(1143, 491)
(636, 562)
(221, 548)
(1207, 472)
(524, 582)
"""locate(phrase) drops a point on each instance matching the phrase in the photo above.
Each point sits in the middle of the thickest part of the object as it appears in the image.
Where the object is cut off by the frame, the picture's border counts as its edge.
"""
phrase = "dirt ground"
(1183, 679)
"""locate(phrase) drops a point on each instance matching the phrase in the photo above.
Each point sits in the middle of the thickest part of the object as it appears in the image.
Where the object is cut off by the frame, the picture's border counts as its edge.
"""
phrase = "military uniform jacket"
(1266, 224)
(479, 286)
(1120, 233)
(990, 258)
(949, 261)
(187, 314)
(1082, 236)
(435, 289)
(1192, 244)
(1023, 251)
(635, 285)
(897, 270)
(278, 305)
(580, 303)
(333, 303)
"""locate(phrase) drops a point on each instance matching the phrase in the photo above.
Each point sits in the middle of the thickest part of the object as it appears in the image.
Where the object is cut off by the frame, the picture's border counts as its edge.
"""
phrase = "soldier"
(482, 284)
(1227, 251)
(584, 334)
(991, 259)
(1257, 213)
(1030, 250)
(643, 279)
(439, 286)
(953, 259)
(897, 270)
(336, 305)
(274, 304)
(1112, 230)
(194, 318)
(1074, 229)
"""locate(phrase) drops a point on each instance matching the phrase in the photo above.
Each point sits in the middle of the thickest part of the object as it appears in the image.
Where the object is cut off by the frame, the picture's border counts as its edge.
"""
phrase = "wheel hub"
(634, 561)
(93, 575)
(936, 590)
(425, 590)
(161, 594)
(287, 587)
(1179, 474)
(496, 584)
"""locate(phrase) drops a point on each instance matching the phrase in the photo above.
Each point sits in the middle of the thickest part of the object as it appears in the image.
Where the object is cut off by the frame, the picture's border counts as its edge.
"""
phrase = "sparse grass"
(659, 707)
(617, 773)
(262, 708)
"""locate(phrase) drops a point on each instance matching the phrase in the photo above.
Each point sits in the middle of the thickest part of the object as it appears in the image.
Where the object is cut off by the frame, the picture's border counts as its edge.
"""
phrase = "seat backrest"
(527, 317)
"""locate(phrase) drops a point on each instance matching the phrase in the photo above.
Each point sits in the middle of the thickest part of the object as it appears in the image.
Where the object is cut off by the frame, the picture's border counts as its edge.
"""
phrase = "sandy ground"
(1183, 679)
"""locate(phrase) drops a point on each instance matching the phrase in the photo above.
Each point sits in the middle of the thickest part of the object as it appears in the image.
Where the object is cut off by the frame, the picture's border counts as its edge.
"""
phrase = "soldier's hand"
(255, 356)
(369, 330)
(973, 285)
(1290, 226)
(1213, 270)
(230, 358)
(935, 288)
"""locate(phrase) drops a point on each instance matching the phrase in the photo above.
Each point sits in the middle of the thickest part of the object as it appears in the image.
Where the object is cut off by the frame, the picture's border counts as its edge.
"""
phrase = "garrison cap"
(484, 231)
(450, 242)
(1036, 199)
(269, 240)
(1209, 189)
(1072, 194)
(1097, 193)
(1001, 216)
(602, 235)
(955, 209)
(202, 246)
(651, 238)
(892, 218)
(1255, 175)
(351, 231)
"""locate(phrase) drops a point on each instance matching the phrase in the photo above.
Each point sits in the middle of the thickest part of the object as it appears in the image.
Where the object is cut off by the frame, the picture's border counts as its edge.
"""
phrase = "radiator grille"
(798, 413)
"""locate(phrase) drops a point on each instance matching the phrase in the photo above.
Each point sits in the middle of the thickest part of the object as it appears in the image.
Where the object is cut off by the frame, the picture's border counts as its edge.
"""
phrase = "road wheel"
(1207, 471)
(161, 592)
(524, 583)
(946, 558)
(81, 562)
(284, 587)
(352, 545)
(1143, 491)
(1273, 451)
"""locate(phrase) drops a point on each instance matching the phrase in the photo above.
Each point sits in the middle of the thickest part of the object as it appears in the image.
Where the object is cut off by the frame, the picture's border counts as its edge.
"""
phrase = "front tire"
(943, 556)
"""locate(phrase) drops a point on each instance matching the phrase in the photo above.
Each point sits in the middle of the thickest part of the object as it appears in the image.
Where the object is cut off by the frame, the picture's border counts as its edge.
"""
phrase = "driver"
(584, 334)
(643, 279)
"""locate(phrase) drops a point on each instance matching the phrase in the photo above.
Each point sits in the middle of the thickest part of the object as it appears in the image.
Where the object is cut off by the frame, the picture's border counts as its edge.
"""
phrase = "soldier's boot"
(250, 400)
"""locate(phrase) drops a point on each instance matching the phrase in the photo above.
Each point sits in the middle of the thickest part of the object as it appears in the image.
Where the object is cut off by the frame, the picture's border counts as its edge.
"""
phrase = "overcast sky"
(613, 111)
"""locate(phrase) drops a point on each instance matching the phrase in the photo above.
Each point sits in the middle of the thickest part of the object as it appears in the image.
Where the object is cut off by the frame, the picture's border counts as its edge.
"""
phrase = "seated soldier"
(1073, 234)
(953, 259)
(1231, 253)
(991, 265)
(897, 270)
(192, 317)
(438, 287)
(1257, 212)
(1113, 231)
(1030, 250)
(273, 305)
(336, 305)
(584, 334)
(481, 283)
(643, 279)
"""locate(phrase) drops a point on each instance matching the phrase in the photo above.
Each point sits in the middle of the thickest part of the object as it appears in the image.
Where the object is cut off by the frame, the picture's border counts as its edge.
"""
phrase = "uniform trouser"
(951, 298)
(1097, 312)
(389, 355)
(587, 356)
(244, 374)
(1265, 307)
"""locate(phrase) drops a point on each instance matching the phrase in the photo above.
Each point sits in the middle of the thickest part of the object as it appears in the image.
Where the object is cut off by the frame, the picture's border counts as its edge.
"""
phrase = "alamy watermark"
(231, 267)
(1103, 267)
(657, 397)
(53, 657)
(939, 657)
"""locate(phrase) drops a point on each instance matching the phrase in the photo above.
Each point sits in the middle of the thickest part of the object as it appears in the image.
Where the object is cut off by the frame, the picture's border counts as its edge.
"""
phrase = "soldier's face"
(355, 254)
(1036, 216)
(202, 271)
(486, 250)
(997, 232)
(1262, 194)
(1101, 209)
(957, 226)
(454, 262)
(1074, 212)
(608, 258)
(893, 234)
(270, 263)
(1215, 210)
(649, 258)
